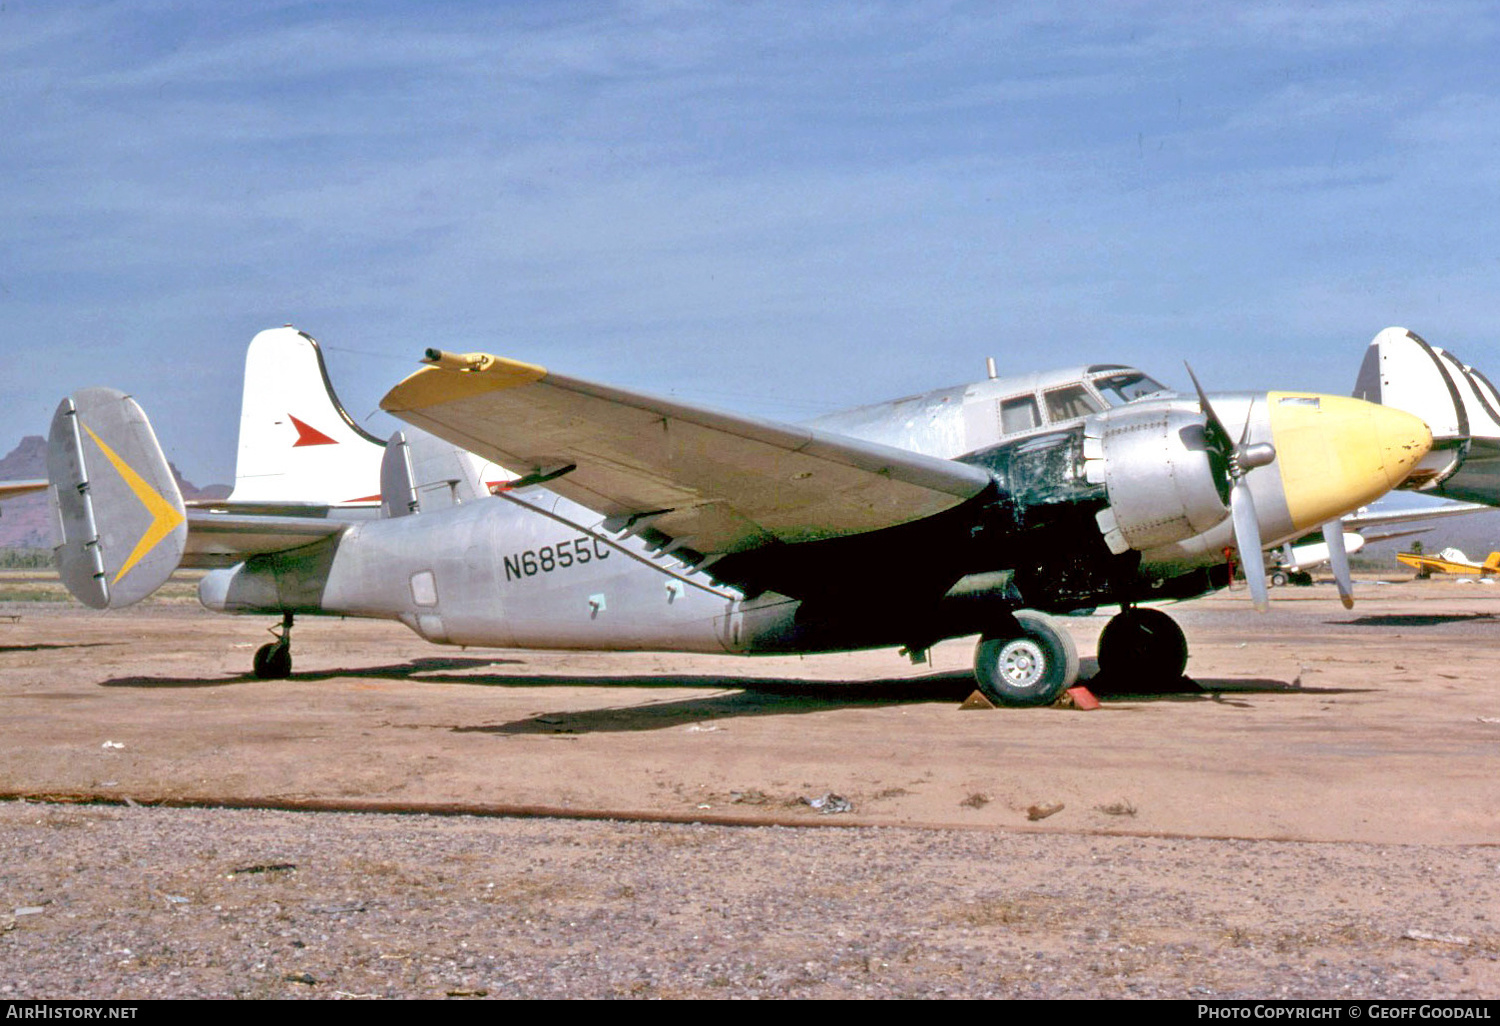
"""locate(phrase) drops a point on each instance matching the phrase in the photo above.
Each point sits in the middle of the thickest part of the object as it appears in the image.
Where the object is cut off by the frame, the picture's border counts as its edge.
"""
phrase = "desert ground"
(1316, 814)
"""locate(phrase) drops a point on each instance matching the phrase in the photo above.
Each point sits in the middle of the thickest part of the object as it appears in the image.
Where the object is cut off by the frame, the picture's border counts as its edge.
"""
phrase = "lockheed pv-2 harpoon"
(628, 521)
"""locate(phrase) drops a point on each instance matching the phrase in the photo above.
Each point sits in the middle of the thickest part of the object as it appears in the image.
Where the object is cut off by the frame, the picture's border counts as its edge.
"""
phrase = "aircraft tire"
(1142, 646)
(1279, 578)
(273, 661)
(1031, 668)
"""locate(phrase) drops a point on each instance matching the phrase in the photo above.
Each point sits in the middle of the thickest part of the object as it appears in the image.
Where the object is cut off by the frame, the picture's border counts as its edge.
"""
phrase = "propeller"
(1338, 559)
(1238, 459)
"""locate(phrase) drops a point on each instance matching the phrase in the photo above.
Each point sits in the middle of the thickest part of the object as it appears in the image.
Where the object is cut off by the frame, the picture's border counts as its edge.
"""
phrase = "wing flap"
(716, 482)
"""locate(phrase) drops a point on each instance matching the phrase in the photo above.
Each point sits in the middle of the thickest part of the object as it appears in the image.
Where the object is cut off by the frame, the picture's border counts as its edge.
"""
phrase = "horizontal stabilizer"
(15, 489)
(119, 522)
(221, 538)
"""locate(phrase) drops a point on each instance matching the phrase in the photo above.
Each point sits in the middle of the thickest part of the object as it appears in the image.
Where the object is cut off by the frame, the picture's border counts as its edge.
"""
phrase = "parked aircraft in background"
(1294, 561)
(1451, 561)
(1459, 404)
(629, 521)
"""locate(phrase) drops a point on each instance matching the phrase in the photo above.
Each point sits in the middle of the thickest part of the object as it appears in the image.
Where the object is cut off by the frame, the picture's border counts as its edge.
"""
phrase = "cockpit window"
(1019, 414)
(1119, 389)
(1070, 402)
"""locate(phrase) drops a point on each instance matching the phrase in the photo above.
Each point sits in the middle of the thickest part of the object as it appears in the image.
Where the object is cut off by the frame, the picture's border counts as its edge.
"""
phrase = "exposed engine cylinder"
(1155, 464)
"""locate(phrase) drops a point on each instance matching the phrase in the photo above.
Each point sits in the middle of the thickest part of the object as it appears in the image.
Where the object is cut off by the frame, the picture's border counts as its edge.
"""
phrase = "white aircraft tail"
(297, 445)
(1458, 403)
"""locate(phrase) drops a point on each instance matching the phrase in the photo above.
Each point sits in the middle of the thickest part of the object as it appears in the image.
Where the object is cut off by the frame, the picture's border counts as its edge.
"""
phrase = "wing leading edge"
(714, 483)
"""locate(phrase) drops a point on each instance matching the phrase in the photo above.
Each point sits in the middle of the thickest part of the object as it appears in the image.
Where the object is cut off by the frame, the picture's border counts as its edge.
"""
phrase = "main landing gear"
(1142, 647)
(1033, 659)
(273, 661)
(1030, 663)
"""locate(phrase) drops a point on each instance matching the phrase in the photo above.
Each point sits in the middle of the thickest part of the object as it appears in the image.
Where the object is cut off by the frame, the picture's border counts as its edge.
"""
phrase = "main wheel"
(273, 661)
(1143, 646)
(1279, 578)
(1031, 668)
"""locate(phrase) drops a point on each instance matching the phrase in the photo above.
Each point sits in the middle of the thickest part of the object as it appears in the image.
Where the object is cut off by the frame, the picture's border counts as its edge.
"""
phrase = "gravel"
(141, 903)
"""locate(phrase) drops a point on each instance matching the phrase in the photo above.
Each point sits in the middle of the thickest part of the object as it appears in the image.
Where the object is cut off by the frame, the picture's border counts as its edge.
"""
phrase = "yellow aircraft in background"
(1451, 561)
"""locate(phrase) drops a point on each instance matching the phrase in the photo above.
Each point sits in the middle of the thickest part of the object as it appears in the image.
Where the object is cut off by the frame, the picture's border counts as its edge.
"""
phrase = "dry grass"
(43, 586)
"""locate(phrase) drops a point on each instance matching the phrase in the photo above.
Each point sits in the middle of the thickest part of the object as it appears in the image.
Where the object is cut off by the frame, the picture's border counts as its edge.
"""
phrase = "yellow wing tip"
(458, 376)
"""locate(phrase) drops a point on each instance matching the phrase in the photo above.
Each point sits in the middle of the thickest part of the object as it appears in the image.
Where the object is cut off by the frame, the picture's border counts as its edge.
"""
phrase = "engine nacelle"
(1156, 466)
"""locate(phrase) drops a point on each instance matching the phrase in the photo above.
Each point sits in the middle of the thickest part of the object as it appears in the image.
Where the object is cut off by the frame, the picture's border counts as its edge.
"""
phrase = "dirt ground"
(1317, 817)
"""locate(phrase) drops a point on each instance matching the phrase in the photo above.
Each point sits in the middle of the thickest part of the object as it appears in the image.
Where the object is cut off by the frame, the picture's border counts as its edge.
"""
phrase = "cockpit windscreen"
(1118, 389)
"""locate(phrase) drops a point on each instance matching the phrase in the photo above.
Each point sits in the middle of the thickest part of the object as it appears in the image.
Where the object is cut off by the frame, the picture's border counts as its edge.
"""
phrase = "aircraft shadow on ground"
(1412, 619)
(47, 647)
(1227, 691)
(756, 697)
(736, 696)
(416, 669)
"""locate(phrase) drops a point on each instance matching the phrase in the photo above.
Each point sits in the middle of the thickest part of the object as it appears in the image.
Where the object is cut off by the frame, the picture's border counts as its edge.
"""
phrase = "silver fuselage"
(534, 570)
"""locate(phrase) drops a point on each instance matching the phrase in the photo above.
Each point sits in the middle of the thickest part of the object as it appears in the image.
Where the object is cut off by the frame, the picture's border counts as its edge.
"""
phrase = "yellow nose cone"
(1337, 454)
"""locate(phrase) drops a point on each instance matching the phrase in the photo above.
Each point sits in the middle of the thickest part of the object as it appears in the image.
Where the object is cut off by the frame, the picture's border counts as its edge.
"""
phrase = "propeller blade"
(1338, 559)
(1239, 459)
(1247, 540)
(1218, 435)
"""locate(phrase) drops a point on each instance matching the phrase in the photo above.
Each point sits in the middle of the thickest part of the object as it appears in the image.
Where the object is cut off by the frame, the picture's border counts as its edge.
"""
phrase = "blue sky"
(780, 208)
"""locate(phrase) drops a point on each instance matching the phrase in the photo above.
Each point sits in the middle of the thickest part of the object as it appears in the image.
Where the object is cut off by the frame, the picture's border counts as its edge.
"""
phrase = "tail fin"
(422, 473)
(1459, 404)
(117, 513)
(1492, 564)
(296, 442)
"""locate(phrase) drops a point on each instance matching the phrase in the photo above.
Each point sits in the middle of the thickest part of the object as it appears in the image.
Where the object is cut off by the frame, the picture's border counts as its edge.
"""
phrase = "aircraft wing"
(1364, 518)
(714, 483)
(14, 489)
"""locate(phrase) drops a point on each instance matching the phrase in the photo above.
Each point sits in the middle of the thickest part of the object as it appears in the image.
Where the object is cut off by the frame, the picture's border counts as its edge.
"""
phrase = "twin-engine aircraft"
(627, 521)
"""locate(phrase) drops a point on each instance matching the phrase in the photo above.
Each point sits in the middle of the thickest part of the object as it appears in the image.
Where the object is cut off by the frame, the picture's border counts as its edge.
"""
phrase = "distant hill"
(24, 521)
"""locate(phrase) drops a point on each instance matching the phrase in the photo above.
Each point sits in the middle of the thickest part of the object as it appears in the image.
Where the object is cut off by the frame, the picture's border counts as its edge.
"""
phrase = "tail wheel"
(1031, 667)
(1143, 645)
(273, 661)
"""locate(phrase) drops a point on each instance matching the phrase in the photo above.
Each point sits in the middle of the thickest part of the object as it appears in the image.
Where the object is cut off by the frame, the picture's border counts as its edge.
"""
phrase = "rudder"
(118, 519)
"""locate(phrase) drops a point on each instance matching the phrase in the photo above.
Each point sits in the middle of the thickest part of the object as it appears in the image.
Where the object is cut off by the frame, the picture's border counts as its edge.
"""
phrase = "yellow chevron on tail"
(164, 518)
